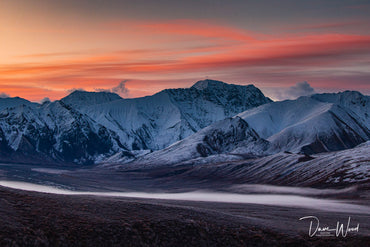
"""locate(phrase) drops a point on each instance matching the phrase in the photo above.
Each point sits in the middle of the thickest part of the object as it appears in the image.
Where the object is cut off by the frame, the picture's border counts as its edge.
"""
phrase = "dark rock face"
(4, 148)
(79, 145)
(224, 140)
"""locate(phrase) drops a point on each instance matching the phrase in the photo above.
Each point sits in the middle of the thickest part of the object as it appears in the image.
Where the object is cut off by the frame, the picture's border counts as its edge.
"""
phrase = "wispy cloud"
(44, 100)
(293, 92)
(4, 95)
(121, 89)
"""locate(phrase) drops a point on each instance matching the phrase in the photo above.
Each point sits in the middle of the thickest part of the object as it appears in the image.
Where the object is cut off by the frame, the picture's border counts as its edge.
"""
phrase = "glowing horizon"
(51, 47)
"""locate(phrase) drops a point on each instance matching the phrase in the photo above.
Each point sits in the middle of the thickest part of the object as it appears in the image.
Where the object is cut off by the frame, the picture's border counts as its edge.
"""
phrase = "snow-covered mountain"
(352, 101)
(51, 132)
(211, 120)
(155, 122)
(311, 124)
(13, 102)
(87, 127)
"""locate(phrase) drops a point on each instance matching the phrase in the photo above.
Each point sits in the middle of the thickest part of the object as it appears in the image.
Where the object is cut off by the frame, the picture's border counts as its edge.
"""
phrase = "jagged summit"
(89, 98)
(13, 102)
(200, 85)
(344, 98)
(215, 84)
(353, 101)
(347, 93)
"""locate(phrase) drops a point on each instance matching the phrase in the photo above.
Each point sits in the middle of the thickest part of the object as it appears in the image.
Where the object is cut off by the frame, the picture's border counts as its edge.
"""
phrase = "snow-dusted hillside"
(87, 127)
(221, 137)
(352, 101)
(339, 168)
(319, 123)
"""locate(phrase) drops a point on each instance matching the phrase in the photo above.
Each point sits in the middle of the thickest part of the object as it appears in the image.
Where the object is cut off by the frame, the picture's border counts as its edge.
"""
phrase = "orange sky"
(48, 52)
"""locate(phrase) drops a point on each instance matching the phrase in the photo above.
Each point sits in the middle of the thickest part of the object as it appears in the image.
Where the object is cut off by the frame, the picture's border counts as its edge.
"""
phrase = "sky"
(135, 48)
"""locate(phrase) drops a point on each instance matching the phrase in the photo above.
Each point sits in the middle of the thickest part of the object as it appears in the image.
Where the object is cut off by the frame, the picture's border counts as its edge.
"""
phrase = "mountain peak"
(12, 102)
(344, 94)
(203, 84)
(214, 84)
(346, 98)
(90, 98)
(82, 92)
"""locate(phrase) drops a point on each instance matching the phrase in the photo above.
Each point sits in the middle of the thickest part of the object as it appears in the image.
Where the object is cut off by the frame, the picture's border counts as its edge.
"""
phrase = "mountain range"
(211, 120)
(90, 127)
